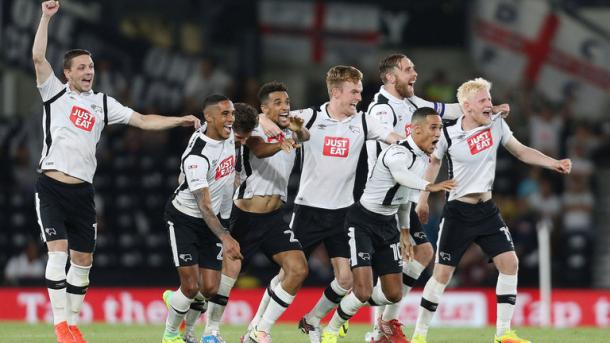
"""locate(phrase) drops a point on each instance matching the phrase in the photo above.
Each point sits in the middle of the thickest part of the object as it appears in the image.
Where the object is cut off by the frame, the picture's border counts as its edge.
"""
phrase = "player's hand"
(289, 144)
(269, 127)
(49, 8)
(423, 210)
(446, 185)
(406, 248)
(190, 120)
(296, 124)
(503, 109)
(231, 248)
(563, 166)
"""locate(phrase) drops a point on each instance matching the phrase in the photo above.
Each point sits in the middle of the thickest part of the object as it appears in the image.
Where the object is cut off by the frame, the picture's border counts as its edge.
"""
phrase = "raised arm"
(536, 158)
(39, 48)
(262, 149)
(230, 245)
(158, 122)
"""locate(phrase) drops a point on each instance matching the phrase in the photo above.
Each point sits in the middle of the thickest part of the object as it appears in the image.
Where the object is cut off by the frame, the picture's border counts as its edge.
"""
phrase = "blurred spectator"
(577, 204)
(545, 201)
(439, 89)
(208, 79)
(26, 266)
(545, 129)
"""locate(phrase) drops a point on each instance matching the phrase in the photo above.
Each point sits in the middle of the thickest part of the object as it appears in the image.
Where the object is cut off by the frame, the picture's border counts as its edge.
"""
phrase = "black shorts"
(416, 230)
(268, 232)
(465, 223)
(312, 225)
(191, 241)
(373, 240)
(66, 211)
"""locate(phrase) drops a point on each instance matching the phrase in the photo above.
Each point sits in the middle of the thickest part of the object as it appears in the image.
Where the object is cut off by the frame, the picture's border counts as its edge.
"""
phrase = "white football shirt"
(383, 194)
(471, 155)
(72, 124)
(331, 156)
(206, 163)
(265, 176)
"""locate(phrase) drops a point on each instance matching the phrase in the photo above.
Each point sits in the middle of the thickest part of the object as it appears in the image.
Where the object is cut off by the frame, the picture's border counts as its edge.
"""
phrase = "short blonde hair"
(338, 74)
(468, 88)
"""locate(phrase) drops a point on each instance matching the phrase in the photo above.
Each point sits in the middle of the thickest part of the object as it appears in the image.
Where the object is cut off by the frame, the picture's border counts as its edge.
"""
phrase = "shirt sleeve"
(447, 111)
(226, 203)
(404, 215)
(375, 129)
(507, 133)
(50, 87)
(397, 159)
(304, 114)
(117, 113)
(384, 114)
(441, 148)
(196, 172)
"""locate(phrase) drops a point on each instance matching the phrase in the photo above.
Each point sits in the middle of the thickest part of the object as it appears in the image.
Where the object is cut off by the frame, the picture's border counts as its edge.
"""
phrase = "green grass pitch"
(108, 333)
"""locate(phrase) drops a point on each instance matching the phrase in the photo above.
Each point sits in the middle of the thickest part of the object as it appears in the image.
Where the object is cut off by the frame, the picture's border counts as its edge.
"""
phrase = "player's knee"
(512, 265)
(442, 276)
(363, 293)
(209, 290)
(394, 295)
(190, 288)
(424, 254)
(345, 279)
(297, 271)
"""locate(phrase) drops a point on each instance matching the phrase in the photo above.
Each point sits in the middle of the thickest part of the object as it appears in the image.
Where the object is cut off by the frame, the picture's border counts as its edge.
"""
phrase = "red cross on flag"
(316, 31)
(515, 41)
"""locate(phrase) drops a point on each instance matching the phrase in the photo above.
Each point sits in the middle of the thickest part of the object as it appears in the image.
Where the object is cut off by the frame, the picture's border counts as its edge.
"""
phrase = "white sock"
(179, 305)
(433, 292)
(280, 300)
(347, 308)
(264, 302)
(55, 275)
(379, 311)
(217, 305)
(377, 297)
(78, 283)
(198, 306)
(410, 273)
(506, 295)
(332, 297)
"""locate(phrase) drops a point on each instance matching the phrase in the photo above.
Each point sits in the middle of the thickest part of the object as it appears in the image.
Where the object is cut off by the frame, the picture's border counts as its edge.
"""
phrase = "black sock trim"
(219, 299)
(198, 306)
(342, 314)
(408, 281)
(330, 293)
(80, 290)
(506, 298)
(60, 284)
(428, 305)
(278, 300)
(179, 312)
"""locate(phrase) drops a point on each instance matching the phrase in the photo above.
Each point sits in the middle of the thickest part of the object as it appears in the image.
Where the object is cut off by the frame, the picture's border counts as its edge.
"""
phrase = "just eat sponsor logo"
(480, 142)
(82, 118)
(225, 167)
(336, 146)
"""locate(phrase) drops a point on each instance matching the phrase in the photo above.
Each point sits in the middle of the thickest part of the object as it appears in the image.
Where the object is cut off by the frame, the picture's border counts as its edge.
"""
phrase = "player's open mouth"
(228, 128)
(434, 142)
(412, 83)
(487, 113)
(283, 115)
(87, 81)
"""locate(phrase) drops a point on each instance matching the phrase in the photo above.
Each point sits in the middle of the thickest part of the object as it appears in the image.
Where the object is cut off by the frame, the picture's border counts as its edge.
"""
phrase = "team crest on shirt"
(336, 146)
(479, 142)
(226, 167)
(354, 129)
(82, 118)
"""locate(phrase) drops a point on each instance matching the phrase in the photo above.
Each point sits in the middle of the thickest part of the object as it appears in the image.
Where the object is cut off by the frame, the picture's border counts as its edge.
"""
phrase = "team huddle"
(363, 194)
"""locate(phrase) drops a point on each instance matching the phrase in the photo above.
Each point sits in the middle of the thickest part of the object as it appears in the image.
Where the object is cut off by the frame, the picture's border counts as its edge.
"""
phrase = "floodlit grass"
(107, 333)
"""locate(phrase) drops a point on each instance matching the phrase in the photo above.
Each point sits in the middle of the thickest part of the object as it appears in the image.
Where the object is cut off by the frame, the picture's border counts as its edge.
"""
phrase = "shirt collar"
(324, 110)
(70, 91)
(390, 96)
